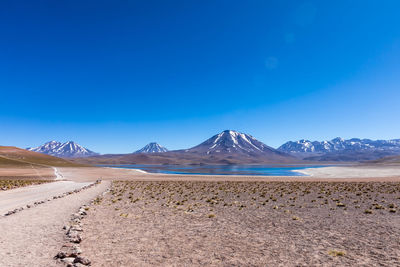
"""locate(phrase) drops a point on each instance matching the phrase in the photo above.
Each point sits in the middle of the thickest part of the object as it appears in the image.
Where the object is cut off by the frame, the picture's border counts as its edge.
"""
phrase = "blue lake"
(265, 170)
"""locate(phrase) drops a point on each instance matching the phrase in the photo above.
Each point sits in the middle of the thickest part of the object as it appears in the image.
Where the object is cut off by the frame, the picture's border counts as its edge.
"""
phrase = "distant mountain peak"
(152, 147)
(226, 147)
(339, 139)
(230, 141)
(68, 149)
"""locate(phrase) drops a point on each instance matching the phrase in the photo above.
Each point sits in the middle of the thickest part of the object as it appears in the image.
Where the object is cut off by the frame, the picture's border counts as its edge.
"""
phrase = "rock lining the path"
(71, 253)
(49, 199)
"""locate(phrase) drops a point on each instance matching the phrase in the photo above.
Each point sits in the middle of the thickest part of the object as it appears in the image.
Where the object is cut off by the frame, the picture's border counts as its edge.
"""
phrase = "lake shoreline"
(220, 170)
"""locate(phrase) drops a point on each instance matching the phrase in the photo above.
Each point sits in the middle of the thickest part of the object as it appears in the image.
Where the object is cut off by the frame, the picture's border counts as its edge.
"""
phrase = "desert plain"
(336, 216)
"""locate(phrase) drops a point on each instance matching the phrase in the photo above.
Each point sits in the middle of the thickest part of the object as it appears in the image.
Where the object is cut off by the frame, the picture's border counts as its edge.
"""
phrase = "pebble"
(70, 252)
(76, 228)
(75, 238)
(60, 196)
(60, 255)
(68, 260)
(83, 260)
(76, 216)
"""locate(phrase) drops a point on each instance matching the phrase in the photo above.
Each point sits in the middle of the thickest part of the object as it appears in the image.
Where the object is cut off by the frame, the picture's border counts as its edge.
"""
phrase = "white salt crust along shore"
(352, 172)
(133, 170)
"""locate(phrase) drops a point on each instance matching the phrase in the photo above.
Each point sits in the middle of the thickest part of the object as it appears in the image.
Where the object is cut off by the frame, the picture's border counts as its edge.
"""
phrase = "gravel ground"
(172, 220)
(20, 197)
(245, 224)
(33, 236)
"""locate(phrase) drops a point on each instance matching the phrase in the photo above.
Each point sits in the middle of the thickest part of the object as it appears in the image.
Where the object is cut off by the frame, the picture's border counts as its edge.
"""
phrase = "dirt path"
(20, 197)
(33, 236)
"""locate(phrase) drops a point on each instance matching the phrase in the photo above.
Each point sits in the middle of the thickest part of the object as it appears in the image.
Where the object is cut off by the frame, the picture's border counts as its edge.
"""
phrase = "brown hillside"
(13, 156)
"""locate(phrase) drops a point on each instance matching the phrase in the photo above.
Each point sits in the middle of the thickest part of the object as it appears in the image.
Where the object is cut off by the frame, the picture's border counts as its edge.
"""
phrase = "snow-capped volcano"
(229, 142)
(68, 149)
(152, 148)
(226, 148)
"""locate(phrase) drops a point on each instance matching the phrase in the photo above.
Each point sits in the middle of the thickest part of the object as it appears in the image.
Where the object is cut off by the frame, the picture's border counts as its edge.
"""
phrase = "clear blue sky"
(115, 75)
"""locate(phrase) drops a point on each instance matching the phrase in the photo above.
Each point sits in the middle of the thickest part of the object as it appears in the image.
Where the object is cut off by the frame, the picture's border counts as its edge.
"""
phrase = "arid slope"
(245, 224)
(13, 156)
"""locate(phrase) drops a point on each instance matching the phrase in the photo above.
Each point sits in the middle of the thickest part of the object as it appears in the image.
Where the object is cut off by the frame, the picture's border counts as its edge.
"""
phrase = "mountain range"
(227, 147)
(339, 149)
(68, 149)
(339, 144)
(232, 147)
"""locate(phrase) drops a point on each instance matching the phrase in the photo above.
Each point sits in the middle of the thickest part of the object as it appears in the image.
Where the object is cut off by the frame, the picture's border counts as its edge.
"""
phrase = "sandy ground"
(33, 172)
(93, 173)
(137, 227)
(33, 236)
(362, 173)
(84, 174)
(245, 224)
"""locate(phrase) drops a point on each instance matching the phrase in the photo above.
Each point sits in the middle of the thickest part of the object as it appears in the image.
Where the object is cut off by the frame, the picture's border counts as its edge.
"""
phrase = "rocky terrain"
(244, 224)
(154, 219)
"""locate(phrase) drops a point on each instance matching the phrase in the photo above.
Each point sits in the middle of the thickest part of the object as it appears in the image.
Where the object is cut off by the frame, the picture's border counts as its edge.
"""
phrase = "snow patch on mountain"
(230, 142)
(339, 145)
(152, 148)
